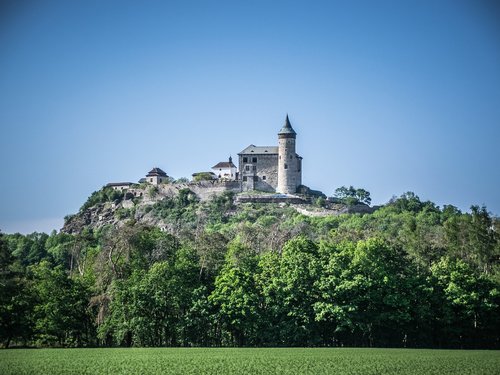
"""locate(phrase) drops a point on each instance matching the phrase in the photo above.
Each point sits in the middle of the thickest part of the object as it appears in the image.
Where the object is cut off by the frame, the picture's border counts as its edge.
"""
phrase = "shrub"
(106, 194)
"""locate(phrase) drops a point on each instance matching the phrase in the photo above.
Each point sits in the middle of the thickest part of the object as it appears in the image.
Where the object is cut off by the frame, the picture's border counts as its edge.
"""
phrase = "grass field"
(247, 361)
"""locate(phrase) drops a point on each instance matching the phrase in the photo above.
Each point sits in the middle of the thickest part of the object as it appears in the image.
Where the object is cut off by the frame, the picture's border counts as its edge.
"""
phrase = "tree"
(211, 249)
(287, 284)
(203, 176)
(408, 201)
(368, 291)
(15, 301)
(59, 247)
(106, 194)
(469, 305)
(155, 308)
(61, 307)
(235, 296)
(473, 238)
(147, 308)
(29, 249)
(351, 196)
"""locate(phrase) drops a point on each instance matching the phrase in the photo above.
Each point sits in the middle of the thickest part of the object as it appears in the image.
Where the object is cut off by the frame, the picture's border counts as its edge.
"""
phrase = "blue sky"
(391, 96)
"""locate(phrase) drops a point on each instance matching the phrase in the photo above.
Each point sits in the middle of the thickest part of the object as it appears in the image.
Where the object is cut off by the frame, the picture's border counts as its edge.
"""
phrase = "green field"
(247, 361)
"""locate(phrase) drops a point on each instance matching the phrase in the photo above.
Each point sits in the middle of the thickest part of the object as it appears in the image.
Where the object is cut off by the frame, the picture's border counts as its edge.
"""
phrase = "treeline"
(409, 275)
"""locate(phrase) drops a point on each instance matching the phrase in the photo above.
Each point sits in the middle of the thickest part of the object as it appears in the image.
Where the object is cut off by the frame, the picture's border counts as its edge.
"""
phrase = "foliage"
(59, 309)
(235, 296)
(147, 308)
(203, 176)
(470, 302)
(106, 194)
(320, 202)
(152, 191)
(289, 291)
(223, 274)
(14, 299)
(351, 196)
(370, 293)
(124, 213)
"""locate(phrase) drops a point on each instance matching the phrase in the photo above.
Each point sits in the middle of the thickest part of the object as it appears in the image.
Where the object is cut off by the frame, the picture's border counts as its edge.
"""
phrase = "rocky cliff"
(158, 205)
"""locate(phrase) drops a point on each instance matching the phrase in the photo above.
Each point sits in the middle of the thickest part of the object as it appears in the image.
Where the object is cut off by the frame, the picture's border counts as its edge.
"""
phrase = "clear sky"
(391, 96)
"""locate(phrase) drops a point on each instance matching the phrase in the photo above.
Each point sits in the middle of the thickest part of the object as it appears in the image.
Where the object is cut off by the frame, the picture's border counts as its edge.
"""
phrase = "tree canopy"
(411, 274)
(351, 196)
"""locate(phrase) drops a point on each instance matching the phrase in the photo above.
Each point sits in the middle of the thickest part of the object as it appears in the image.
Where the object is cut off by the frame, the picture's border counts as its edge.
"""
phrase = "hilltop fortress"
(273, 169)
(265, 174)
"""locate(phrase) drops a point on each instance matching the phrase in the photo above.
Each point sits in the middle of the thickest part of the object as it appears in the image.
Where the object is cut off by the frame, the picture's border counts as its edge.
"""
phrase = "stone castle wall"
(261, 174)
(277, 198)
(205, 190)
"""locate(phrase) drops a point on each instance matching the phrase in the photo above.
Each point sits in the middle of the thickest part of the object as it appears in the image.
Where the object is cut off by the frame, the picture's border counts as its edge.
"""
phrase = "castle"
(264, 168)
(270, 168)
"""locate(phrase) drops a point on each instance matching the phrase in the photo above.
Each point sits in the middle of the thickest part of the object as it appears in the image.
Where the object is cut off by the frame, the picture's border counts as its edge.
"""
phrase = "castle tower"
(289, 163)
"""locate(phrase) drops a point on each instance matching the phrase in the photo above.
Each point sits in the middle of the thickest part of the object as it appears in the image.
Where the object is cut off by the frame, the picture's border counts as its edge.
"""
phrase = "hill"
(173, 267)
(167, 206)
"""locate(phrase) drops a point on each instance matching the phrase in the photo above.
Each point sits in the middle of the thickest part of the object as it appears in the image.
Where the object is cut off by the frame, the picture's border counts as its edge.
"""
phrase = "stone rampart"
(205, 190)
(274, 198)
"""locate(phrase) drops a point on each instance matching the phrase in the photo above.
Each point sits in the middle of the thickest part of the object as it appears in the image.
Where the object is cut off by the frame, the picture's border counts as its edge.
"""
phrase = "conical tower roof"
(287, 128)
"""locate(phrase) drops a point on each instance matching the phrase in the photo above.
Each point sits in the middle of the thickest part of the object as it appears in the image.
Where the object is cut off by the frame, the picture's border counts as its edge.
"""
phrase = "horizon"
(388, 97)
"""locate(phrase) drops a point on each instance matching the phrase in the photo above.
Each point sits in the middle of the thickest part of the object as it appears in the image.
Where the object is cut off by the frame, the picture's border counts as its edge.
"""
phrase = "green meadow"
(219, 361)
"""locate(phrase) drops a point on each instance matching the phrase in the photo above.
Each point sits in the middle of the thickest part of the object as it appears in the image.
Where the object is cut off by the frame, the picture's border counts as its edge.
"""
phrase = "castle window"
(247, 167)
(254, 168)
(254, 160)
(255, 178)
(263, 178)
(286, 166)
(244, 178)
(245, 160)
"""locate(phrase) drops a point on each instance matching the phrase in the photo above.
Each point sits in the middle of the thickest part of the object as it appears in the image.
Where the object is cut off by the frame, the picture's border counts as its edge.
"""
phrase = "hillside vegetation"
(410, 274)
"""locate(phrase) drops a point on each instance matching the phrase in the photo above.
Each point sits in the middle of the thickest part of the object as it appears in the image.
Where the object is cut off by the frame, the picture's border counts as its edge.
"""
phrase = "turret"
(289, 174)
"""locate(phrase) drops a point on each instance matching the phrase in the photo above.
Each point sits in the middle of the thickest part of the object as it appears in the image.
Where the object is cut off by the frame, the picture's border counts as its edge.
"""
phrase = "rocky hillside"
(150, 205)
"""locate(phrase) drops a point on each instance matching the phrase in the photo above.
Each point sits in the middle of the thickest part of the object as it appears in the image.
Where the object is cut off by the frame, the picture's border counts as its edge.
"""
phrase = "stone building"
(225, 170)
(271, 168)
(156, 176)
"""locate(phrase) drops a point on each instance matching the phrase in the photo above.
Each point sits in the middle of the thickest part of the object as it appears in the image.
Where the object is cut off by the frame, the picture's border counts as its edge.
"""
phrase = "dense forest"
(411, 274)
